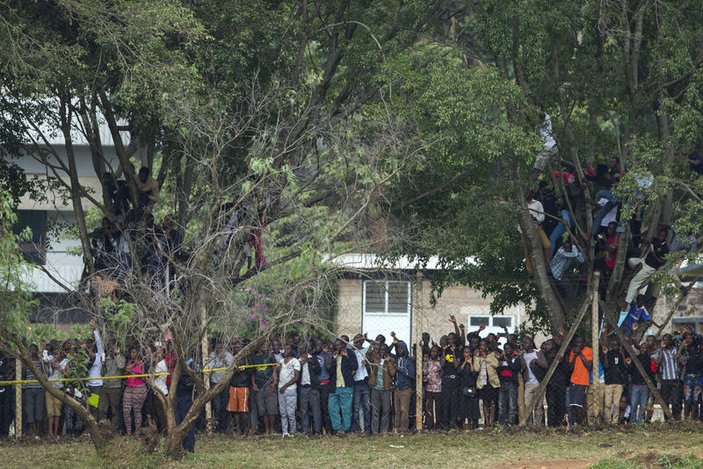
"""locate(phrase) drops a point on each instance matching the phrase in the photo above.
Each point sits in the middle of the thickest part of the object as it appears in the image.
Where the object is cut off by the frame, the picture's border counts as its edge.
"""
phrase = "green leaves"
(15, 299)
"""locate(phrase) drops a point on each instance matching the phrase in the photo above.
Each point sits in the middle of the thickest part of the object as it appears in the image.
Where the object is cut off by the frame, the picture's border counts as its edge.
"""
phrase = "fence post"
(596, 386)
(18, 399)
(564, 345)
(418, 386)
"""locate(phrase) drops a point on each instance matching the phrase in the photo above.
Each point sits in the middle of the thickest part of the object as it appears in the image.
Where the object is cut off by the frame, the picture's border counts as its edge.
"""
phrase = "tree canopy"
(279, 131)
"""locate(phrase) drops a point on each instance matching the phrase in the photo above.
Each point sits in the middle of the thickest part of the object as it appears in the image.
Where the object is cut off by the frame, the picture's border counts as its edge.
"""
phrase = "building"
(687, 312)
(377, 297)
(55, 248)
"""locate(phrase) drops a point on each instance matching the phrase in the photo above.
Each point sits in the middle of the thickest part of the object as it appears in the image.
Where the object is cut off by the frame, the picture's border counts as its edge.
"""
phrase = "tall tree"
(273, 150)
(619, 80)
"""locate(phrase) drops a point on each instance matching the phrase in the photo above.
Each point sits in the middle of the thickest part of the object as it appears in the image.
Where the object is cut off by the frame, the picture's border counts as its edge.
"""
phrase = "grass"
(654, 446)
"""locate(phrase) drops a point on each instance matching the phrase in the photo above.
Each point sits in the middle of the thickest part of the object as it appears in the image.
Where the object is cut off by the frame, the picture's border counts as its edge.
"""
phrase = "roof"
(55, 137)
(367, 261)
(693, 270)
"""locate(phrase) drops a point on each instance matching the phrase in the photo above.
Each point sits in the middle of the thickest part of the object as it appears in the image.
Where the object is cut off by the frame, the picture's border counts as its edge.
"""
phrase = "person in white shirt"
(549, 152)
(287, 375)
(160, 367)
(96, 352)
(362, 392)
(528, 355)
(537, 213)
(159, 384)
(59, 367)
(220, 358)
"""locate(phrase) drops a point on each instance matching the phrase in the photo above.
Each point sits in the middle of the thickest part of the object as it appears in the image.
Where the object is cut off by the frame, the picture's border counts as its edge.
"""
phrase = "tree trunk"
(65, 115)
(129, 173)
(174, 442)
(549, 295)
(176, 433)
(182, 194)
(100, 435)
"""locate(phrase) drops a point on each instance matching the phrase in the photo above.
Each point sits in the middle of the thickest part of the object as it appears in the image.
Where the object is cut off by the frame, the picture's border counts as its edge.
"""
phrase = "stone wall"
(460, 301)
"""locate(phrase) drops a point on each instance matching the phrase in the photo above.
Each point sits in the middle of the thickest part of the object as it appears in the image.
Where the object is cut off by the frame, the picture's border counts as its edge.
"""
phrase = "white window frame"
(385, 284)
(507, 316)
(479, 316)
(491, 318)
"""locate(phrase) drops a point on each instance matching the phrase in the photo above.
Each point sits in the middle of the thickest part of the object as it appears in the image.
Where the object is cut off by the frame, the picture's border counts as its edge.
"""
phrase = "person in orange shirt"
(581, 360)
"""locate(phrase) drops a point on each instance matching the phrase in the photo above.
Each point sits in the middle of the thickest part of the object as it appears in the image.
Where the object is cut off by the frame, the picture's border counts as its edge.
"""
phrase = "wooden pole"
(635, 361)
(18, 399)
(419, 353)
(418, 386)
(595, 327)
(204, 350)
(552, 368)
(595, 345)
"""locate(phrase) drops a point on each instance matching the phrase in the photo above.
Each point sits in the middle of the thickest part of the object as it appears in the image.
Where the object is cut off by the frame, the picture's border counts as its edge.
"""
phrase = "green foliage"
(474, 97)
(119, 319)
(41, 333)
(15, 301)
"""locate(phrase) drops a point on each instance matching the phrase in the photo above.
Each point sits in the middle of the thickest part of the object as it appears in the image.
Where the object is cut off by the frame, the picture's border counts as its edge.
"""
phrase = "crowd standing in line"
(364, 386)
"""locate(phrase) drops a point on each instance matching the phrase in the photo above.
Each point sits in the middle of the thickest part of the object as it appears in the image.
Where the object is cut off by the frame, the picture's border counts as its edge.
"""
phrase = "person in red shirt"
(607, 247)
(581, 360)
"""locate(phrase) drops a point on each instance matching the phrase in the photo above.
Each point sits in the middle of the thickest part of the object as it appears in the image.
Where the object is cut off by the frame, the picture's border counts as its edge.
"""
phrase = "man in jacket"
(361, 386)
(404, 378)
(613, 361)
(324, 357)
(111, 393)
(342, 380)
(382, 370)
(508, 371)
(220, 358)
(309, 394)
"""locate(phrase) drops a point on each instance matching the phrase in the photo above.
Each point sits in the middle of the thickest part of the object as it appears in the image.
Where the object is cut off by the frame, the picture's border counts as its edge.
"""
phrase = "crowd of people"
(131, 240)
(556, 209)
(368, 386)
(365, 386)
(131, 234)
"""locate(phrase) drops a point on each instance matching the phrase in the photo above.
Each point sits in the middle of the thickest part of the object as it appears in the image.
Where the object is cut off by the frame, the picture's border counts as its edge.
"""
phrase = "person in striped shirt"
(670, 382)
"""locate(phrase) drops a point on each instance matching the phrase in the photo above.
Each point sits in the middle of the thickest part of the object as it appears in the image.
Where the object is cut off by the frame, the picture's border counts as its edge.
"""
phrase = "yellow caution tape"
(141, 375)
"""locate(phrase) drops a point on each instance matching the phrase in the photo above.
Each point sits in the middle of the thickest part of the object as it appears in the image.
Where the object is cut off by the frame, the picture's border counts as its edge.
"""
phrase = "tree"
(14, 313)
(270, 163)
(618, 78)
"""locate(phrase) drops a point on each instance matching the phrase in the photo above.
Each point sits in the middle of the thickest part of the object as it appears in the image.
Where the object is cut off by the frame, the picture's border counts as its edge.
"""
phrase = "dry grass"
(652, 446)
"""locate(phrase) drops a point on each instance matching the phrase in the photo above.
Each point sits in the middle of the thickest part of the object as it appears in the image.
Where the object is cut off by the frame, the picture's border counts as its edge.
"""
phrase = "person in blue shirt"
(560, 228)
(638, 313)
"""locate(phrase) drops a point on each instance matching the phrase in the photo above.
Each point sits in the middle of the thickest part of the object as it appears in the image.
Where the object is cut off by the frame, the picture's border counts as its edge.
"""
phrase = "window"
(476, 321)
(503, 321)
(491, 321)
(386, 297)
(34, 249)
